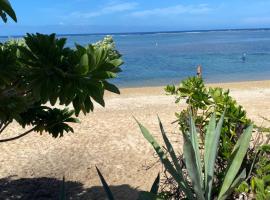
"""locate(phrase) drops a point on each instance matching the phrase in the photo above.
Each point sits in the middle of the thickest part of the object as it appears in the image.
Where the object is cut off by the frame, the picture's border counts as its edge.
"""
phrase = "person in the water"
(199, 71)
(244, 57)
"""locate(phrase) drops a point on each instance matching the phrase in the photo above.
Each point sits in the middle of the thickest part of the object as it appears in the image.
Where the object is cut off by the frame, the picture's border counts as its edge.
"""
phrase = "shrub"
(201, 177)
(202, 102)
(258, 181)
(40, 70)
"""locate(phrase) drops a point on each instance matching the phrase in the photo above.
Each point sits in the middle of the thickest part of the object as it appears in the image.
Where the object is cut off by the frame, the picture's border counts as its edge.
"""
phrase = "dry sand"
(110, 139)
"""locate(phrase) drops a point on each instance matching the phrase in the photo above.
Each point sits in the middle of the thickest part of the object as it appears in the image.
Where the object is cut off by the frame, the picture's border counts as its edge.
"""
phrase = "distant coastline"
(151, 32)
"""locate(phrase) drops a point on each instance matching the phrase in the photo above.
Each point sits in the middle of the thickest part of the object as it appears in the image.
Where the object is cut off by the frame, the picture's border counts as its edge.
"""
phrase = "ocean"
(157, 59)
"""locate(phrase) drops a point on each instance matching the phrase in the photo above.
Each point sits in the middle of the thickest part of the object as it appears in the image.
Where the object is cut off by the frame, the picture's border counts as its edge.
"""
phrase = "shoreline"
(159, 90)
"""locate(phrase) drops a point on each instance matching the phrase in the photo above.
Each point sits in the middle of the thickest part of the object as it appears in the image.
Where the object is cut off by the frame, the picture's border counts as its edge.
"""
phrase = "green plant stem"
(252, 165)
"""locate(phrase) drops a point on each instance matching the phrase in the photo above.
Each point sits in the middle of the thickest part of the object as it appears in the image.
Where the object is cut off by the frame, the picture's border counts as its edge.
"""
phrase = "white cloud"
(108, 9)
(174, 10)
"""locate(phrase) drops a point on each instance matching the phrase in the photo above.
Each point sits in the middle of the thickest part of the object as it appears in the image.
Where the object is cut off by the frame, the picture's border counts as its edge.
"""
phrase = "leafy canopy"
(41, 70)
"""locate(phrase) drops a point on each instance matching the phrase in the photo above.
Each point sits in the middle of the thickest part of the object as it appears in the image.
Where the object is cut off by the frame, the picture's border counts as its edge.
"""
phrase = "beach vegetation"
(39, 73)
(198, 180)
(220, 159)
(202, 101)
(257, 183)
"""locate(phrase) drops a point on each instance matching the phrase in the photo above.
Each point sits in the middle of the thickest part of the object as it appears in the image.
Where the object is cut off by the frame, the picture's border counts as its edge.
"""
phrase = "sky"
(110, 16)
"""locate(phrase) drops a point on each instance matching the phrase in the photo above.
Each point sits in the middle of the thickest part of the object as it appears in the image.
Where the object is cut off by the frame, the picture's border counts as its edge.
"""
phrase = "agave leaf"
(155, 186)
(169, 148)
(208, 141)
(211, 149)
(166, 162)
(192, 168)
(195, 144)
(105, 185)
(236, 161)
(240, 178)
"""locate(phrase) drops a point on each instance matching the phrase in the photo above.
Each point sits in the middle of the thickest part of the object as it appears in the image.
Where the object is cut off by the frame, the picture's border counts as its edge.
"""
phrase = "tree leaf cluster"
(40, 70)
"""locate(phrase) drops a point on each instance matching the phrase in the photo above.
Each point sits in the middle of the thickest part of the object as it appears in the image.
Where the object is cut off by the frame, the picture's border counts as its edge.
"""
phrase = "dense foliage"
(198, 180)
(257, 184)
(202, 101)
(41, 70)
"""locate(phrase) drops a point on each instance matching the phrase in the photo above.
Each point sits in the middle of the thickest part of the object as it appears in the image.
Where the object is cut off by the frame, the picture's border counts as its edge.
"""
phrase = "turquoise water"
(163, 58)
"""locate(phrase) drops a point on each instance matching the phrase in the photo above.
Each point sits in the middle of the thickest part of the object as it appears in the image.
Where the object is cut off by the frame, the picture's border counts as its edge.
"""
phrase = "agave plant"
(201, 171)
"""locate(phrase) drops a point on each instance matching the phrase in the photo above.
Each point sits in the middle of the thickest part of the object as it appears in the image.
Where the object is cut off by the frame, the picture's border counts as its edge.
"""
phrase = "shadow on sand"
(49, 189)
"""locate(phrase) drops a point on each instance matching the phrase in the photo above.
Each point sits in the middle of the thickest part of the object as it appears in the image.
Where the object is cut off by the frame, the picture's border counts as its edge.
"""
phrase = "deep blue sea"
(154, 59)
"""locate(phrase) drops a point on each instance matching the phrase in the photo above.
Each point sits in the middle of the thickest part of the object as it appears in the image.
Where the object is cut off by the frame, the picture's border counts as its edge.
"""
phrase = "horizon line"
(146, 32)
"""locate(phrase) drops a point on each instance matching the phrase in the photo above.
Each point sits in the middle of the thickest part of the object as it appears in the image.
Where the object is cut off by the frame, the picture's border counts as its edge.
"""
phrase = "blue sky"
(90, 16)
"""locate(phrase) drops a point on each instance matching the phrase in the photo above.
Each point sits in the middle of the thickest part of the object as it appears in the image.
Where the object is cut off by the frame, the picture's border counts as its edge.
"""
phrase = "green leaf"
(117, 62)
(164, 159)
(240, 178)
(195, 144)
(84, 67)
(155, 186)
(105, 185)
(104, 75)
(53, 99)
(239, 153)
(6, 7)
(170, 148)
(76, 106)
(100, 55)
(3, 16)
(110, 87)
(89, 106)
(192, 168)
(211, 149)
(266, 179)
(97, 93)
(80, 48)
(210, 133)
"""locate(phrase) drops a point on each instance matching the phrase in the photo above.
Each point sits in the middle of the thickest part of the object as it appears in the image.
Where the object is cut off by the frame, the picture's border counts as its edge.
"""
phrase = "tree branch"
(17, 137)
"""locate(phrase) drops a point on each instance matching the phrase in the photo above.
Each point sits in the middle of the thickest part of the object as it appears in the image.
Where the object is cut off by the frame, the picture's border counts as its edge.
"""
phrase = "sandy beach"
(110, 139)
